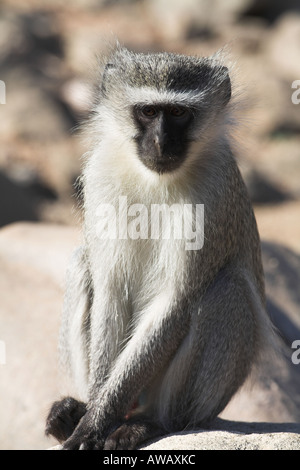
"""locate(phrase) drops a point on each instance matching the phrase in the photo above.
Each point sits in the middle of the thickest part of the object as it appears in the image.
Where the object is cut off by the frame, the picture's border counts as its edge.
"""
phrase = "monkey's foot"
(132, 433)
(64, 417)
(88, 435)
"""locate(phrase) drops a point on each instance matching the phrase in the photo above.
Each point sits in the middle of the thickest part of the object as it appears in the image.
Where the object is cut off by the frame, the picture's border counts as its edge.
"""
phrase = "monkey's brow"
(166, 104)
(147, 95)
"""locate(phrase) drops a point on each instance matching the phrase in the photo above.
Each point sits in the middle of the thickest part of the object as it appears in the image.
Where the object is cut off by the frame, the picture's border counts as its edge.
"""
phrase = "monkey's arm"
(149, 350)
(76, 328)
(75, 318)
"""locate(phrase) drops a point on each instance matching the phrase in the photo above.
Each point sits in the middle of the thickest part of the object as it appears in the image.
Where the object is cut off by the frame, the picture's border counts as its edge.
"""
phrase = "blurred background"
(47, 51)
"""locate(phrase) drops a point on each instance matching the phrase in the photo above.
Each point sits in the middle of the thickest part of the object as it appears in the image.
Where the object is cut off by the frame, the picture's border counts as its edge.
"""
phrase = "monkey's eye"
(177, 111)
(149, 111)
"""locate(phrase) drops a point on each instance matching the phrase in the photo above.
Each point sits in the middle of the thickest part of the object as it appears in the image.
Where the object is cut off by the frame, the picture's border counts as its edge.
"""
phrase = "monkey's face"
(162, 135)
(163, 103)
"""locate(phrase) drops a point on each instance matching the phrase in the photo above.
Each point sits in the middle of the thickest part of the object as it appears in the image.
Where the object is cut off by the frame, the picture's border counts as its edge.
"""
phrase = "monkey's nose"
(157, 144)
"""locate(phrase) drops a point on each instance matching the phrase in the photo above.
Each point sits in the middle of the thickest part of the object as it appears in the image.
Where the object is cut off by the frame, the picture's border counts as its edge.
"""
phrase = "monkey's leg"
(66, 414)
(214, 339)
(216, 356)
(74, 330)
(209, 366)
(64, 417)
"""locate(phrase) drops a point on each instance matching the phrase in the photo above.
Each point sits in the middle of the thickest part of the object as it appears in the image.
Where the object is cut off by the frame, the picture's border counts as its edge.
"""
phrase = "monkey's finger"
(92, 444)
(122, 438)
(77, 440)
(84, 440)
(72, 445)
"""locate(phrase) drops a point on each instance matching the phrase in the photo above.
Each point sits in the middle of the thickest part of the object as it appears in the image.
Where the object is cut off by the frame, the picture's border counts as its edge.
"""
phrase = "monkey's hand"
(63, 418)
(90, 434)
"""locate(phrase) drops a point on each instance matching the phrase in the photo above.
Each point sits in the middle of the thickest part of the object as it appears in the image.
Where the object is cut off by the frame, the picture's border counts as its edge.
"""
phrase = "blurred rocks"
(47, 55)
(272, 395)
(282, 274)
(280, 223)
(276, 387)
(32, 113)
(33, 260)
(36, 122)
(270, 10)
(15, 203)
(284, 46)
(262, 190)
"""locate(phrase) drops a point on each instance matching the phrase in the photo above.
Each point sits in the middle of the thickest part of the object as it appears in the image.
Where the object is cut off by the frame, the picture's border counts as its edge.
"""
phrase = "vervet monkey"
(159, 337)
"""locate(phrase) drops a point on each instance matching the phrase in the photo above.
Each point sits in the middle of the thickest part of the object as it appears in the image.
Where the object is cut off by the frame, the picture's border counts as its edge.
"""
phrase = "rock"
(226, 440)
(33, 260)
(22, 194)
(44, 120)
(16, 203)
(43, 247)
(282, 274)
(269, 10)
(284, 437)
(280, 224)
(279, 159)
(284, 47)
(261, 190)
(47, 57)
(275, 388)
(32, 265)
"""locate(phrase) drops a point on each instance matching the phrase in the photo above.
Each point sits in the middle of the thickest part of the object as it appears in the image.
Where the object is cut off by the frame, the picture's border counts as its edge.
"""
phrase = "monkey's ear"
(225, 84)
(108, 70)
(108, 67)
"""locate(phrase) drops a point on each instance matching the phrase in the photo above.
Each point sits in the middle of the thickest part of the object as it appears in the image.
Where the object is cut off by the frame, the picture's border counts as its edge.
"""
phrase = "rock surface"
(225, 440)
(254, 436)
(32, 266)
(33, 260)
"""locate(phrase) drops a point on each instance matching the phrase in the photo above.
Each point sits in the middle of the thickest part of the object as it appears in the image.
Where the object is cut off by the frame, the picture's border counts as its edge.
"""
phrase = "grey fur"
(176, 331)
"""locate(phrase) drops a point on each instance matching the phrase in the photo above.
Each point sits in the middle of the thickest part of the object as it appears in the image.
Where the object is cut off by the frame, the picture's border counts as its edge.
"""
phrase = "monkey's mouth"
(163, 165)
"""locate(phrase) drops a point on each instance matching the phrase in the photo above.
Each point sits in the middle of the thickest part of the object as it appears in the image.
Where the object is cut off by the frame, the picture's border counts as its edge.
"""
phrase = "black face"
(162, 137)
